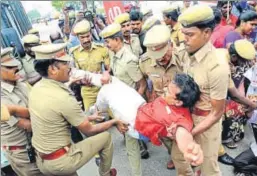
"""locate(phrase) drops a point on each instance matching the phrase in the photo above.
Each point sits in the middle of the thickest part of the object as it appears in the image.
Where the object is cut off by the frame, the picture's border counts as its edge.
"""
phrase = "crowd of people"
(188, 82)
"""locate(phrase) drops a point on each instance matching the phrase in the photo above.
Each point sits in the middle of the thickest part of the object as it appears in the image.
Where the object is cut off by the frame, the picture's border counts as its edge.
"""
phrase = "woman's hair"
(246, 16)
(190, 92)
(217, 15)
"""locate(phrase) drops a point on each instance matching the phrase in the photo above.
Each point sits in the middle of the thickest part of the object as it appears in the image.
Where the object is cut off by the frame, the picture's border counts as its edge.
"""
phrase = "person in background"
(131, 41)
(186, 4)
(227, 17)
(170, 16)
(245, 25)
(56, 37)
(146, 13)
(28, 72)
(220, 31)
(34, 31)
(136, 22)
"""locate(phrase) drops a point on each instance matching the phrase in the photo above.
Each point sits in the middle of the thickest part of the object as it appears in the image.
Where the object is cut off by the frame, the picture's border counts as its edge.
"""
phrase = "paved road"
(156, 164)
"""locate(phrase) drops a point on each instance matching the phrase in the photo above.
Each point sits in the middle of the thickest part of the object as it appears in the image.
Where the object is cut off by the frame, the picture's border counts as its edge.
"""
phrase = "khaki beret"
(149, 22)
(51, 51)
(122, 18)
(7, 58)
(169, 9)
(245, 49)
(195, 15)
(146, 11)
(5, 115)
(82, 27)
(110, 30)
(33, 31)
(30, 38)
(156, 40)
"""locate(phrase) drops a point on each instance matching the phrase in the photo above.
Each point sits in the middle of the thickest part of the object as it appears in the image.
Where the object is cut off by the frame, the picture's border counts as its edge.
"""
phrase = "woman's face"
(248, 26)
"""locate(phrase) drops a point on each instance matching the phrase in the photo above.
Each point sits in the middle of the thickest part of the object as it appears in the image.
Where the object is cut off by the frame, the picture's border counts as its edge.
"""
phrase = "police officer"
(14, 132)
(124, 65)
(131, 41)
(170, 16)
(28, 72)
(50, 124)
(34, 31)
(89, 56)
(158, 65)
(199, 60)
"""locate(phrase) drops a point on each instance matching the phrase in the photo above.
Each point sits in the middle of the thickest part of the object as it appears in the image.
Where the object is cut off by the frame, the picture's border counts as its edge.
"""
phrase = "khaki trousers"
(209, 141)
(79, 154)
(134, 156)
(20, 163)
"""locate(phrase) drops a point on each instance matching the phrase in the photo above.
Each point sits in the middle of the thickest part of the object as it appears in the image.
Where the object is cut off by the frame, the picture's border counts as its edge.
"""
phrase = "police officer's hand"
(106, 77)
(194, 154)
(122, 126)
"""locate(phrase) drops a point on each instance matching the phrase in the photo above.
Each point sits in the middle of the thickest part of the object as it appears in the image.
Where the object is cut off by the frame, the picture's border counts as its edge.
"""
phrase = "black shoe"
(97, 161)
(144, 154)
(226, 159)
(143, 150)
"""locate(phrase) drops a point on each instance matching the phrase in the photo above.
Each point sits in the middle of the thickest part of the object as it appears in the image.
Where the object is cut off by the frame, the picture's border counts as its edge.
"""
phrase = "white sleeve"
(95, 78)
(101, 102)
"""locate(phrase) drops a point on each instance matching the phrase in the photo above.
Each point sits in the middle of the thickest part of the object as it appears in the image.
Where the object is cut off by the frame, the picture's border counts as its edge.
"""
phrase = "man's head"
(170, 15)
(182, 91)
(124, 21)
(226, 7)
(9, 66)
(198, 23)
(30, 41)
(247, 22)
(149, 23)
(159, 48)
(52, 62)
(56, 37)
(241, 50)
(136, 19)
(187, 3)
(82, 30)
(34, 31)
(113, 37)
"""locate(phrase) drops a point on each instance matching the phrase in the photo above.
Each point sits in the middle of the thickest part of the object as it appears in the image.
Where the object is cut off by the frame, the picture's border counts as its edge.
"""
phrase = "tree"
(58, 4)
(33, 15)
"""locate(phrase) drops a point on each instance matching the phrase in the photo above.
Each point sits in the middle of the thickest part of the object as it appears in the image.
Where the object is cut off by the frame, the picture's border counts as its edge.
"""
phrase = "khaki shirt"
(176, 35)
(11, 134)
(134, 45)
(159, 75)
(28, 68)
(53, 109)
(91, 61)
(124, 65)
(209, 72)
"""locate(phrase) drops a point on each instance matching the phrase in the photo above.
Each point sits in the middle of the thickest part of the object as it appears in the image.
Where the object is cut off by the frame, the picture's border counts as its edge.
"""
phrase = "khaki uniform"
(124, 65)
(28, 70)
(212, 76)
(51, 131)
(159, 75)
(176, 35)
(12, 135)
(90, 61)
(134, 45)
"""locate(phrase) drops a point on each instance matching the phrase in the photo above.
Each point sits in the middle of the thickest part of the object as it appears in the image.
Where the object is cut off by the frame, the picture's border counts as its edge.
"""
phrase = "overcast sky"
(44, 7)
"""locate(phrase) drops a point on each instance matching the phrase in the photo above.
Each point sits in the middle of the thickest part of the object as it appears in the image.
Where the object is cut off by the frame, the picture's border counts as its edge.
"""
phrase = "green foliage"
(58, 4)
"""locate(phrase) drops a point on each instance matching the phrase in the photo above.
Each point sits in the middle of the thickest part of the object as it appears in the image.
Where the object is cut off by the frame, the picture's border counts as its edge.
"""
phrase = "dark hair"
(209, 24)
(246, 16)
(217, 14)
(190, 92)
(136, 15)
(172, 15)
(41, 66)
(220, 4)
(232, 51)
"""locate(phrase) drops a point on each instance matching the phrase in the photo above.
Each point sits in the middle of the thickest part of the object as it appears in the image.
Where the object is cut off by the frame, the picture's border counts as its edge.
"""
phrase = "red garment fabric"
(233, 19)
(218, 35)
(153, 118)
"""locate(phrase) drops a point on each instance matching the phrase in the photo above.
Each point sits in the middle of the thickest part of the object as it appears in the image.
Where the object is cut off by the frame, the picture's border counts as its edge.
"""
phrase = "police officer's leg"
(133, 152)
(182, 167)
(209, 141)
(20, 163)
(168, 144)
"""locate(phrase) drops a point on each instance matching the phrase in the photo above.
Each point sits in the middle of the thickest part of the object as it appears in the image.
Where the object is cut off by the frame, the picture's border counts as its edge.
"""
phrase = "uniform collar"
(175, 27)
(154, 64)
(51, 81)
(8, 87)
(119, 54)
(93, 46)
(202, 52)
